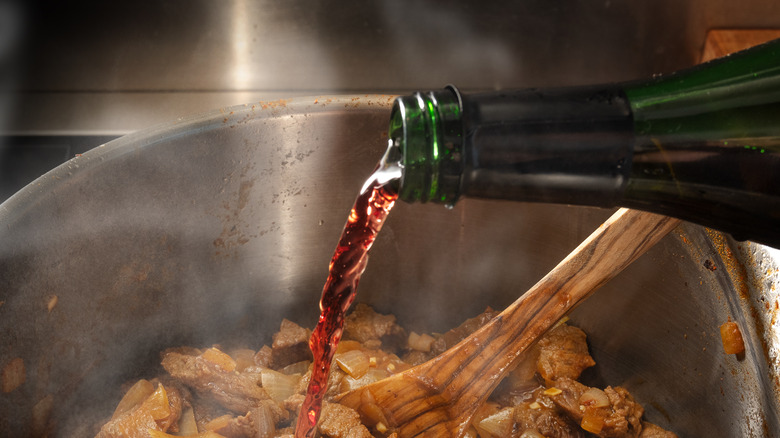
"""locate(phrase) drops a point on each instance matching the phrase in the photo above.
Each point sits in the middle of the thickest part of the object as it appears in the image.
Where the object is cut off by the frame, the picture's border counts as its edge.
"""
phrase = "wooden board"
(721, 42)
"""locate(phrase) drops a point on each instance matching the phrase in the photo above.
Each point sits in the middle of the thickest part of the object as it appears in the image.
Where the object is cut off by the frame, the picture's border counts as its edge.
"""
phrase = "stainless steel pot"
(211, 229)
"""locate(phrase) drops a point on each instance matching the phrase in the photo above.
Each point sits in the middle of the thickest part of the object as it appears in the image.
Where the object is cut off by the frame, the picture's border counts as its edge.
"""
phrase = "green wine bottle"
(702, 144)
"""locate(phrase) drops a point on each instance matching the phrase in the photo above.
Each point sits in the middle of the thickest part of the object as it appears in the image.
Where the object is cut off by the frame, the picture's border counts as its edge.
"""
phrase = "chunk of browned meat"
(264, 357)
(563, 352)
(469, 326)
(335, 377)
(257, 423)
(294, 402)
(337, 421)
(650, 430)
(237, 392)
(415, 357)
(373, 329)
(621, 417)
(134, 424)
(549, 422)
(290, 344)
(157, 412)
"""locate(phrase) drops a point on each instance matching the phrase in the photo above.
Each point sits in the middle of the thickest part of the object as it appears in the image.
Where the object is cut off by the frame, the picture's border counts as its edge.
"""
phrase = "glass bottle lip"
(427, 130)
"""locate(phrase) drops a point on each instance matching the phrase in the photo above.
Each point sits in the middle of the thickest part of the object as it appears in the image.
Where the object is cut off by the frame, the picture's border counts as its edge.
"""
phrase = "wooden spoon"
(440, 397)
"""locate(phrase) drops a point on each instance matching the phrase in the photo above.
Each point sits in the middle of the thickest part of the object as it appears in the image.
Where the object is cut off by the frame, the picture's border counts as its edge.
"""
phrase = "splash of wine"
(349, 261)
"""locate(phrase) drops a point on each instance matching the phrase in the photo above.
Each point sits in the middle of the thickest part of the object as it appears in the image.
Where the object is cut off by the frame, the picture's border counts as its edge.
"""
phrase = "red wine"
(348, 263)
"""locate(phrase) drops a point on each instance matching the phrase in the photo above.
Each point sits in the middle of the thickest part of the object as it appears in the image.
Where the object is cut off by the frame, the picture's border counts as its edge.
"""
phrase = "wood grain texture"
(440, 397)
(722, 42)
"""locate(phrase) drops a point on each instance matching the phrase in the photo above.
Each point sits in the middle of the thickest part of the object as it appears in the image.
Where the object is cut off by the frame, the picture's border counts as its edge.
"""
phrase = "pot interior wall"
(212, 229)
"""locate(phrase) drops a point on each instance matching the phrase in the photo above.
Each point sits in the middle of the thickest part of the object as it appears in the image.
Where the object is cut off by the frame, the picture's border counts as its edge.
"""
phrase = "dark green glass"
(701, 144)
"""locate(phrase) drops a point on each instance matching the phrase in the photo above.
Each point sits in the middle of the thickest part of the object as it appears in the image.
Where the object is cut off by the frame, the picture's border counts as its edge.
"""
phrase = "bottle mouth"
(426, 134)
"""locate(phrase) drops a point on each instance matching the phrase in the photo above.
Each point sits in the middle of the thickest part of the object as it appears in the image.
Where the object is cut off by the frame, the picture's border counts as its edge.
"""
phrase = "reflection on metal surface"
(240, 40)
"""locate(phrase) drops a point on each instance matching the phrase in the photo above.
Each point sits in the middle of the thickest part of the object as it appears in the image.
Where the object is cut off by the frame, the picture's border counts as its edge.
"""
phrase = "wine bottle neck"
(570, 145)
(702, 145)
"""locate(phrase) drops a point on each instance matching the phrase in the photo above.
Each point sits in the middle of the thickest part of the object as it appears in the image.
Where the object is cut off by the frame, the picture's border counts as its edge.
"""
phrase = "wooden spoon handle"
(440, 397)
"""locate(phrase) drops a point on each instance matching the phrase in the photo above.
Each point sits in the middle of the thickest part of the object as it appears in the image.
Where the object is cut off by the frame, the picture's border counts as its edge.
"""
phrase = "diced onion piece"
(531, 433)
(552, 391)
(371, 411)
(279, 386)
(381, 428)
(535, 405)
(499, 424)
(524, 373)
(732, 338)
(134, 396)
(594, 398)
(560, 322)
(13, 375)
(187, 423)
(220, 359)
(244, 357)
(592, 422)
(373, 375)
(353, 362)
(263, 420)
(301, 368)
(420, 342)
(157, 404)
(219, 422)
(348, 345)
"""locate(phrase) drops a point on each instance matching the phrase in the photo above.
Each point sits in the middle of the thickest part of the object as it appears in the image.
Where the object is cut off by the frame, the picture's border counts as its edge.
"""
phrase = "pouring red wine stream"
(348, 263)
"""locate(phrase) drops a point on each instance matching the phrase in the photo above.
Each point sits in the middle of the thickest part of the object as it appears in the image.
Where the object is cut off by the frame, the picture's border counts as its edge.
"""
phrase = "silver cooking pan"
(211, 229)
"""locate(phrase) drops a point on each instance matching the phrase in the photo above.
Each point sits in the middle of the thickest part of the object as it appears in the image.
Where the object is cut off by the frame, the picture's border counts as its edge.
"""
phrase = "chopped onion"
(348, 345)
(157, 404)
(420, 342)
(372, 412)
(594, 398)
(187, 423)
(552, 391)
(244, 357)
(531, 433)
(219, 422)
(732, 338)
(279, 386)
(353, 362)
(499, 424)
(263, 420)
(349, 383)
(301, 368)
(134, 396)
(220, 359)
(592, 423)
